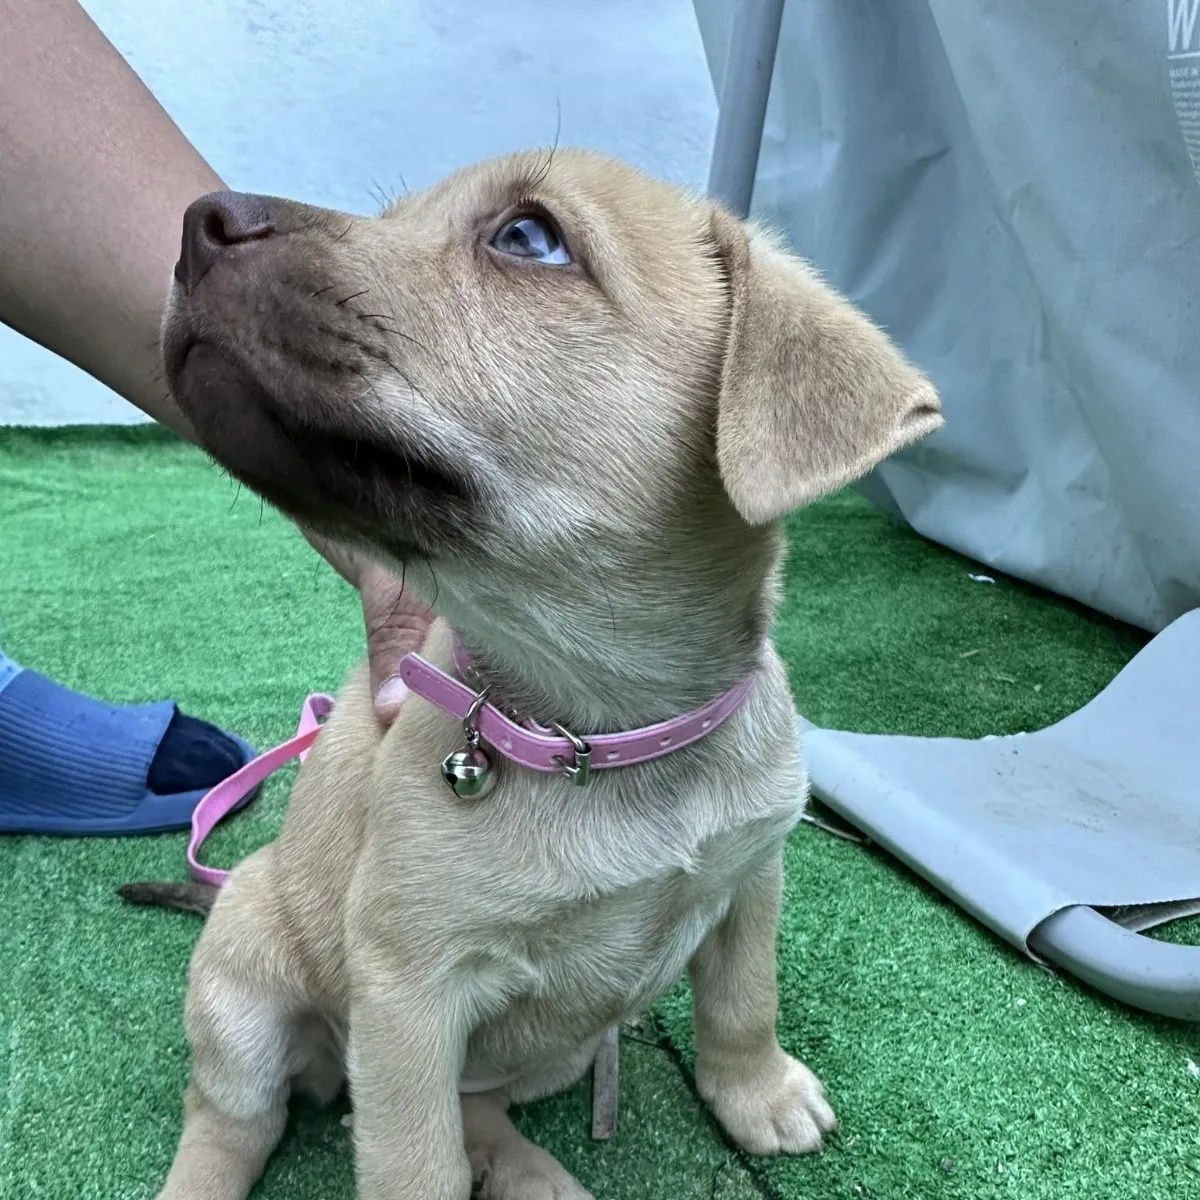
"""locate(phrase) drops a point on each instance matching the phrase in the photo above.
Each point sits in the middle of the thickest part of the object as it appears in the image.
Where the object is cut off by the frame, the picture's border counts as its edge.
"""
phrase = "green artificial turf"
(131, 569)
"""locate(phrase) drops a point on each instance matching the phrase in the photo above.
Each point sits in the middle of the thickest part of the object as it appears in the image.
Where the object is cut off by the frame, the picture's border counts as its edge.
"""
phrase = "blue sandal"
(73, 765)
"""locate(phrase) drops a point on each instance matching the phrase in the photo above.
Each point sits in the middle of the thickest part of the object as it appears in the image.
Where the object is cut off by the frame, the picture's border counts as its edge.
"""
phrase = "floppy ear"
(812, 394)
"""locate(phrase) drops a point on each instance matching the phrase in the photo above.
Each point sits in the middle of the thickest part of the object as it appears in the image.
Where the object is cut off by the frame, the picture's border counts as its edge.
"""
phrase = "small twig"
(845, 834)
(633, 1037)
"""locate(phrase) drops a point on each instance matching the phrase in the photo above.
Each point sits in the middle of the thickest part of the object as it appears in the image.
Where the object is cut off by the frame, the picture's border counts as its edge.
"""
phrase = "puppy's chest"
(597, 962)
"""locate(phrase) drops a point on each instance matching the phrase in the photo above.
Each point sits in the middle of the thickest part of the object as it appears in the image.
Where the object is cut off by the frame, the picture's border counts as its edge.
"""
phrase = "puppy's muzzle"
(279, 374)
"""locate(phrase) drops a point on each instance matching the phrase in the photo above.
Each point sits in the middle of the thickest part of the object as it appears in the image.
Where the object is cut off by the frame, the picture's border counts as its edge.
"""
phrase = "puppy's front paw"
(527, 1173)
(781, 1110)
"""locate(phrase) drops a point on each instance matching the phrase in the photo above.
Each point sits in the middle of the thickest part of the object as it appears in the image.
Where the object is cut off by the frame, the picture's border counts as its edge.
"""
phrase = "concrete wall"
(326, 100)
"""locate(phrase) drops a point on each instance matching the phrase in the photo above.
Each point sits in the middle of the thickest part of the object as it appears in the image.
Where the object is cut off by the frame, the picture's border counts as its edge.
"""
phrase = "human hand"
(396, 623)
(396, 620)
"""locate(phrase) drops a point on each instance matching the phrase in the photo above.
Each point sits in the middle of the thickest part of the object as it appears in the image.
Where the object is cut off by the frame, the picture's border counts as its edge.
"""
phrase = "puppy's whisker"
(352, 296)
(379, 399)
(543, 169)
(557, 130)
(437, 588)
(400, 332)
(400, 594)
(349, 226)
(420, 344)
(591, 562)
(412, 387)
(321, 291)
(384, 197)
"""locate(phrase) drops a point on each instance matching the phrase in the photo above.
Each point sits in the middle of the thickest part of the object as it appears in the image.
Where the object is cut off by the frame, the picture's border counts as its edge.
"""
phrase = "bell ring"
(468, 771)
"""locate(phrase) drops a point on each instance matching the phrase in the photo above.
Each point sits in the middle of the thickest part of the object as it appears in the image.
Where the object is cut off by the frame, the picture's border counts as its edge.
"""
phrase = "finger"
(397, 623)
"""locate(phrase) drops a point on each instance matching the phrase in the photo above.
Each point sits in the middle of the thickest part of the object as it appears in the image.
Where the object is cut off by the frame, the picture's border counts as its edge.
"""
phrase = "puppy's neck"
(605, 659)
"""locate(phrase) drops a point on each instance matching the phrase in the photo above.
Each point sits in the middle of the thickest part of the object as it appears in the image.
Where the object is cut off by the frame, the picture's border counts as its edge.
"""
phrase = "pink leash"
(229, 793)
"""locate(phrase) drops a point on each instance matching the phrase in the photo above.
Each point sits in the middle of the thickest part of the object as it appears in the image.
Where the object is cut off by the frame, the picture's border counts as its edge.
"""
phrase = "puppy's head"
(553, 381)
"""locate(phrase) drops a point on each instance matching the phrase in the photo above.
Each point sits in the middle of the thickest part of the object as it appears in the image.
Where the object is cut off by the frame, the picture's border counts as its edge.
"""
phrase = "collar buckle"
(579, 771)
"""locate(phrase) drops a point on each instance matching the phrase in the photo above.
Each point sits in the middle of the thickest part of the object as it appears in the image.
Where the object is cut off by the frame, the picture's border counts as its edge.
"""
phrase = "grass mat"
(131, 569)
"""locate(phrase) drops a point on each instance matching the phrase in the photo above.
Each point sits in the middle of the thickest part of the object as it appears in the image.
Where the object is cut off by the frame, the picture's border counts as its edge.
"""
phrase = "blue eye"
(533, 238)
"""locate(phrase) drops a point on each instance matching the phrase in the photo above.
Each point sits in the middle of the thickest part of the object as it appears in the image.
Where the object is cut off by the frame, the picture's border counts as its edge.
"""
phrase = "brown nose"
(212, 225)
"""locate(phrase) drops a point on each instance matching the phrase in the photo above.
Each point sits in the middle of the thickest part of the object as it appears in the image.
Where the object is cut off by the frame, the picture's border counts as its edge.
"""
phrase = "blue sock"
(192, 754)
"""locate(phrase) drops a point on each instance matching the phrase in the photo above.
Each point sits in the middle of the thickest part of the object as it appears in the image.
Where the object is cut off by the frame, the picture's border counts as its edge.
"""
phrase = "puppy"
(570, 405)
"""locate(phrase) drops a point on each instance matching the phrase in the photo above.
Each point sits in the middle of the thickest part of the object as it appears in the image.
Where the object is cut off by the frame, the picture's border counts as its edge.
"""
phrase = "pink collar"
(558, 750)
(529, 744)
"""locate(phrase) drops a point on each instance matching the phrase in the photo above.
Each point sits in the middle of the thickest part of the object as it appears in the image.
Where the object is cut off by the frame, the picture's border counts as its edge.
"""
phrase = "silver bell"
(468, 772)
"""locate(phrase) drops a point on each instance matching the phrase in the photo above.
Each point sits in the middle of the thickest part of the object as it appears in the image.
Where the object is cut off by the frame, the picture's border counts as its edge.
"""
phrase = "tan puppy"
(571, 404)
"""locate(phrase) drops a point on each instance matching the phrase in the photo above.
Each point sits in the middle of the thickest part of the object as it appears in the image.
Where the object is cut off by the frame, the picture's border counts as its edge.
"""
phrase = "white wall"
(325, 99)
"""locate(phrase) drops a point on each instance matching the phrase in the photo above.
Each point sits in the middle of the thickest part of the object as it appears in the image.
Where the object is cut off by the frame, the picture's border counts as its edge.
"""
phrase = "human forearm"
(94, 178)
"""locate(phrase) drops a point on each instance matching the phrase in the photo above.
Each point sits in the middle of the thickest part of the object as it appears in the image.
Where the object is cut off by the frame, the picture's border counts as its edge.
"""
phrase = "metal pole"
(745, 88)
